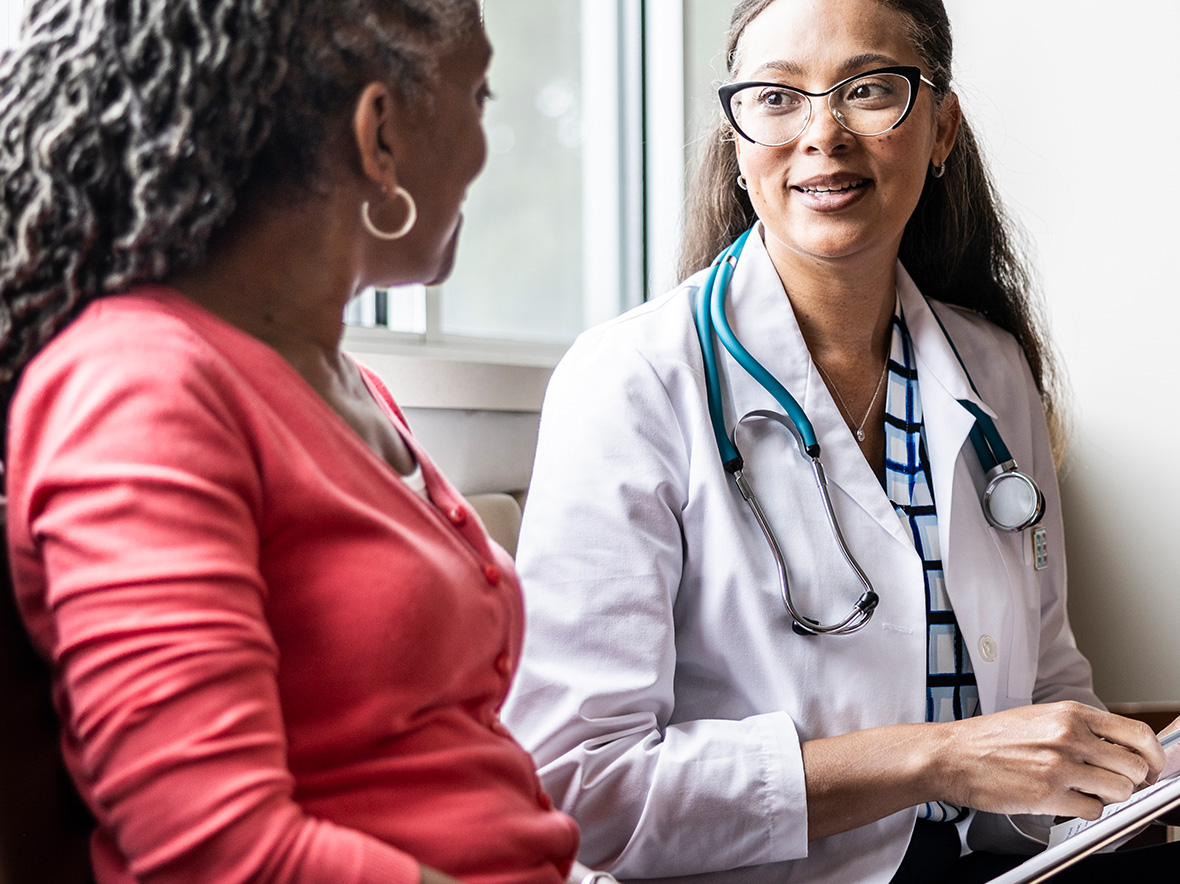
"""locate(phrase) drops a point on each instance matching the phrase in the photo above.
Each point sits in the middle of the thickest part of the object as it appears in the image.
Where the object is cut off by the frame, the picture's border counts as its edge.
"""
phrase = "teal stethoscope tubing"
(712, 325)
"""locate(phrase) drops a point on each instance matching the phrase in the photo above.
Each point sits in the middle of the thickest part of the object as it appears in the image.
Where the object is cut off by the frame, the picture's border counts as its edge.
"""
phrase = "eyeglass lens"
(776, 115)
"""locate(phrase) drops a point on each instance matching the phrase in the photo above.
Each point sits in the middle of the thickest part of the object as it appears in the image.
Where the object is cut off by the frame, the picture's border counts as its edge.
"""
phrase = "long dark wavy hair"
(131, 129)
(958, 246)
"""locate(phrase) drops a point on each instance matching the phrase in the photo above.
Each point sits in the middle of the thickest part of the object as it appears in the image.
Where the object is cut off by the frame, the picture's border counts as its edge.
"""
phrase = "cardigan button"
(491, 574)
(458, 516)
(988, 649)
(504, 664)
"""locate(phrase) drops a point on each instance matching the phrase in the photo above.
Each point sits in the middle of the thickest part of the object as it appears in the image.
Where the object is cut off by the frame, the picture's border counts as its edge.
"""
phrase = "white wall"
(1073, 101)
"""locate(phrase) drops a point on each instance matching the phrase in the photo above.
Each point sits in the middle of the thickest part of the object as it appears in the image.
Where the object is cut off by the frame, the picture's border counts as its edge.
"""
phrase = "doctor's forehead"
(823, 38)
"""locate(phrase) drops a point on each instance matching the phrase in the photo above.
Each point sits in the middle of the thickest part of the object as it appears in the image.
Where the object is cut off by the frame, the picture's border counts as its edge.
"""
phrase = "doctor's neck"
(844, 306)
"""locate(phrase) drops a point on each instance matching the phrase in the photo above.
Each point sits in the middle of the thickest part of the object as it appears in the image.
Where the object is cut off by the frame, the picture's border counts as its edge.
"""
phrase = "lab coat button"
(491, 574)
(458, 516)
(988, 649)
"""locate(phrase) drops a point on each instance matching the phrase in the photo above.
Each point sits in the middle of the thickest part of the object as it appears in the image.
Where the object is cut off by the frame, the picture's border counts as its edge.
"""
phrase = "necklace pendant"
(860, 435)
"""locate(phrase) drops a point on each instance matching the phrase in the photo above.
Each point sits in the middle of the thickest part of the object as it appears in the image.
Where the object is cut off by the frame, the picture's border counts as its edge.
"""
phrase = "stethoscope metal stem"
(863, 609)
(868, 601)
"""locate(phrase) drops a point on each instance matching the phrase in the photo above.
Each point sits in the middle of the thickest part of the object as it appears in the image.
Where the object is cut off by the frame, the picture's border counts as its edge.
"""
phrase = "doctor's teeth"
(842, 189)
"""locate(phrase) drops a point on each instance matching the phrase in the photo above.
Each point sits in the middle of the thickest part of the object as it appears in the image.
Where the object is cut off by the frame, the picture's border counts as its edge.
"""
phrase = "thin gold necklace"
(860, 428)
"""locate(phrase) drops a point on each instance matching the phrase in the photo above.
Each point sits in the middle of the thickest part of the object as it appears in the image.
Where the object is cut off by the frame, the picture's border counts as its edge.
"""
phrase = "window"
(577, 215)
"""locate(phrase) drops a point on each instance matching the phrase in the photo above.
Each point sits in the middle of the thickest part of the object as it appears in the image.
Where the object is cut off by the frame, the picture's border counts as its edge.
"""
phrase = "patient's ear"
(376, 124)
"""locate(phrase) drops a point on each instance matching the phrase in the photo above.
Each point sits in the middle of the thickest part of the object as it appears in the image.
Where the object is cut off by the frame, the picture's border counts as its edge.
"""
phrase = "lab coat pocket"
(1024, 630)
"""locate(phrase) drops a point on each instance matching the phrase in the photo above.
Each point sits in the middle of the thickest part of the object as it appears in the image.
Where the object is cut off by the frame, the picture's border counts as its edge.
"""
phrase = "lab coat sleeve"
(601, 560)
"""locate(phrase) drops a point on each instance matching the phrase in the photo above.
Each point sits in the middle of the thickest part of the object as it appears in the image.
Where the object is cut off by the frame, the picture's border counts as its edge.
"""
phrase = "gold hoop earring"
(411, 217)
(939, 170)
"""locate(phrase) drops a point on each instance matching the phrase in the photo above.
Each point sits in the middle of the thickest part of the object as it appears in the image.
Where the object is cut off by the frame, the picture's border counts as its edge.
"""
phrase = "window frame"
(633, 176)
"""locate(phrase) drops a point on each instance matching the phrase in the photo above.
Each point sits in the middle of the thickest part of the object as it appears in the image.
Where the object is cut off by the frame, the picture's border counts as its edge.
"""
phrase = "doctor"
(669, 698)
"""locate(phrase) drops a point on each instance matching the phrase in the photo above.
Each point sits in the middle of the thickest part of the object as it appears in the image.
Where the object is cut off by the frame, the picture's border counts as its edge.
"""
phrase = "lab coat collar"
(761, 316)
(935, 352)
(943, 385)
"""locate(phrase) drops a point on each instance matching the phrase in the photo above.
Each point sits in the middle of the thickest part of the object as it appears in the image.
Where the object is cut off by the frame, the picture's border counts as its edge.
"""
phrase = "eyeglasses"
(871, 103)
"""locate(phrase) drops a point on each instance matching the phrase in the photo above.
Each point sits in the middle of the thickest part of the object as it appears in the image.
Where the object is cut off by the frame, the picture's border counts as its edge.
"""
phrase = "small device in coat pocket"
(1036, 548)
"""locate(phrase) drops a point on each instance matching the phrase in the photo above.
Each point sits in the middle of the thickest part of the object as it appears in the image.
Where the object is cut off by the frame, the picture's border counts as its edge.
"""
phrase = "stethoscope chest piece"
(1012, 501)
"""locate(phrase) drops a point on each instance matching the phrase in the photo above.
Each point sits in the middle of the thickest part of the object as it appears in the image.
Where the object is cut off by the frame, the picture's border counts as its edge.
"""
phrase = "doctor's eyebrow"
(865, 60)
(847, 67)
(787, 68)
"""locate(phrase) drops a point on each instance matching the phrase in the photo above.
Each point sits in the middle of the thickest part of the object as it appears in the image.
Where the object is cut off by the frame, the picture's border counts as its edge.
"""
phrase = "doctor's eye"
(769, 99)
(868, 93)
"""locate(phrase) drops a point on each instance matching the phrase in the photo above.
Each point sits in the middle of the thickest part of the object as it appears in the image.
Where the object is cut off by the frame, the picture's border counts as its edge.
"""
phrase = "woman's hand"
(432, 876)
(1063, 759)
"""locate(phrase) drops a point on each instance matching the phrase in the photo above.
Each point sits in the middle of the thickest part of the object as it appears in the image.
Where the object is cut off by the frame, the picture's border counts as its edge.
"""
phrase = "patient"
(279, 637)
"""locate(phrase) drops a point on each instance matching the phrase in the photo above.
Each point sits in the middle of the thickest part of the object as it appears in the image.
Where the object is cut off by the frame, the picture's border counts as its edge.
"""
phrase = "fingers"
(1102, 784)
(1079, 804)
(1118, 760)
(1061, 758)
(1135, 737)
(1117, 757)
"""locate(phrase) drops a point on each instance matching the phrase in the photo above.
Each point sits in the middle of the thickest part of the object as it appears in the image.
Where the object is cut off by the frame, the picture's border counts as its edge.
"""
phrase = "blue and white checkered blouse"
(951, 690)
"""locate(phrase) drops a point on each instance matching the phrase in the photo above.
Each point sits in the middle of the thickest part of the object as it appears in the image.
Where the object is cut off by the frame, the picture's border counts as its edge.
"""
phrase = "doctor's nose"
(823, 132)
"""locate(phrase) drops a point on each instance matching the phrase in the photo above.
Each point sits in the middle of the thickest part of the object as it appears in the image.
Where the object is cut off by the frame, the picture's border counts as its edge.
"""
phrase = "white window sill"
(456, 374)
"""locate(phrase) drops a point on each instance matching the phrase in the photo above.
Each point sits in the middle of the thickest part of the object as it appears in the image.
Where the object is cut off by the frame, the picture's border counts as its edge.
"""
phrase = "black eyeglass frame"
(912, 73)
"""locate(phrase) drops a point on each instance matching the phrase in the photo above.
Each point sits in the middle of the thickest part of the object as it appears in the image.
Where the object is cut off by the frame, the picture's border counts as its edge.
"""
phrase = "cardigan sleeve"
(134, 511)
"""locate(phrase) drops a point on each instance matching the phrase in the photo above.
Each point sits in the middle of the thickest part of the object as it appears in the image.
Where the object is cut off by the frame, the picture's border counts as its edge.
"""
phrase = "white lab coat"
(662, 690)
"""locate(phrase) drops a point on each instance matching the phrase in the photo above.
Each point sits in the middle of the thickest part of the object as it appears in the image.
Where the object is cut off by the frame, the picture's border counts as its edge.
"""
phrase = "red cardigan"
(274, 661)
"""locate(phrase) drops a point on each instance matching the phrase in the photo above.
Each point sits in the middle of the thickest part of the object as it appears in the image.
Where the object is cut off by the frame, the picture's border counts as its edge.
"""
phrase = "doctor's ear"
(949, 117)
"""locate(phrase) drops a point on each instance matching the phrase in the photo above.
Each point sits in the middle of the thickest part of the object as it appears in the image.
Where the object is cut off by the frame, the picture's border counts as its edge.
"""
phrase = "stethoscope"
(1012, 501)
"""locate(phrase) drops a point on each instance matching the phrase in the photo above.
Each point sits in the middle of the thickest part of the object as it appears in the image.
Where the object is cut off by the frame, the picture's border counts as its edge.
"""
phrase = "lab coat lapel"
(942, 384)
(968, 544)
(762, 318)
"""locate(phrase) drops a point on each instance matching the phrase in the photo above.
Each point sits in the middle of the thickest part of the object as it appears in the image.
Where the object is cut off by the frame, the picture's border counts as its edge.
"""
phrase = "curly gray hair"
(130, 128)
